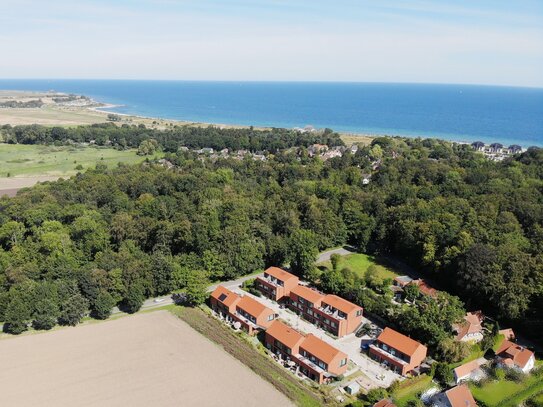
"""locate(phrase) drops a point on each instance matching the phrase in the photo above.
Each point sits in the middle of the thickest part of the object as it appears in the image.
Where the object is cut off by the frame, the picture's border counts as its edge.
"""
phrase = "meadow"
(360, 262)
(21, 160)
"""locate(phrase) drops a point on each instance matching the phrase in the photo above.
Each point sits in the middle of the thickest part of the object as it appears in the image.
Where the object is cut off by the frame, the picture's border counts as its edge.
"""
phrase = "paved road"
(325, 256)
(167, 299)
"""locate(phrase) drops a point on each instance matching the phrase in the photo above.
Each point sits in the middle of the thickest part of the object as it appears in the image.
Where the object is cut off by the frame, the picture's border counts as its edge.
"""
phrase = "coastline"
(97, 111)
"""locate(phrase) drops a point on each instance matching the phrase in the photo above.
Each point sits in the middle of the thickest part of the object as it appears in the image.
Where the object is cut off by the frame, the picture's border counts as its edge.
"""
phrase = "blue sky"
(484, 42)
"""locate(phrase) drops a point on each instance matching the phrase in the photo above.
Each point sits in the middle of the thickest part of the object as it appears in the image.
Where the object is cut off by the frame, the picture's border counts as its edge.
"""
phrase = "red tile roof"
(400, 342)
(224, 295)
(472, 324)
(460, 396)
(384, 403)
(514, 354)
(467, 368)
(279, 273)
(320, 349)
(252, 306)
(285, 334)
(308, 294)
(340, 303)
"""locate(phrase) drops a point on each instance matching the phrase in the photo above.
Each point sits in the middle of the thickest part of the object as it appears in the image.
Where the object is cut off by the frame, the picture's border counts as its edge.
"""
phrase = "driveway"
(325, 256)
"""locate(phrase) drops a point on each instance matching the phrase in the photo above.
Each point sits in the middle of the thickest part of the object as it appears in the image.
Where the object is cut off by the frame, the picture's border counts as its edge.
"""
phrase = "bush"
(514, 375)
(249, 286)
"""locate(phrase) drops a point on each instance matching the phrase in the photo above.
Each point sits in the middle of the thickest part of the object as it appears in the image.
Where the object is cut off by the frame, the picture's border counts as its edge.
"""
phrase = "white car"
(159, 300)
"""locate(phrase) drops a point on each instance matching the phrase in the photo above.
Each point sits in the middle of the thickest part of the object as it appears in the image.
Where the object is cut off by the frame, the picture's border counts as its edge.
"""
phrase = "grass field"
(506, 393)
(409, 389)
(145, 359)
(235, 345)
(31, 160)
(360, 262)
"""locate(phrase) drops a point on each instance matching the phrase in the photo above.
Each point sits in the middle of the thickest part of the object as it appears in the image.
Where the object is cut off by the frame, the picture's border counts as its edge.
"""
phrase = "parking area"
(377, 375)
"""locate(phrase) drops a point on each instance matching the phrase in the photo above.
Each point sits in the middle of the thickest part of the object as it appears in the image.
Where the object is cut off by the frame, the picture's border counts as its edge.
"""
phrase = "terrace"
(333, 312)
(271, 280)
(388, 355)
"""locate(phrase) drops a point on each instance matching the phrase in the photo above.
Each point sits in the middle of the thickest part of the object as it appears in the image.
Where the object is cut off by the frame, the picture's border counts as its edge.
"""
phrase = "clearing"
(23, 165)
(31, 160)
(141, 360)
(359, 263)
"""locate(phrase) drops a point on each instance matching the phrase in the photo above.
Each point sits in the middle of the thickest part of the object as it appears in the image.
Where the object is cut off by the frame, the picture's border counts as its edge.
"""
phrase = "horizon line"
(278, 81)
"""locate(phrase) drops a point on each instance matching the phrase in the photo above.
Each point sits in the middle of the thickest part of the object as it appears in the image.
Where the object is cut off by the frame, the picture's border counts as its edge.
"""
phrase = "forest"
(115, 236)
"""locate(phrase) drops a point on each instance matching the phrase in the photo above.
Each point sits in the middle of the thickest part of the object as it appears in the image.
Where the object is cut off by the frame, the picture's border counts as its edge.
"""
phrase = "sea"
(466, 113)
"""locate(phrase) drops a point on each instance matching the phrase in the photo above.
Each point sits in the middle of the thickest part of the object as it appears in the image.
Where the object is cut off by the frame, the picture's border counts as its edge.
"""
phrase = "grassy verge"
(409, 389)
(248, 354)
(359, 263)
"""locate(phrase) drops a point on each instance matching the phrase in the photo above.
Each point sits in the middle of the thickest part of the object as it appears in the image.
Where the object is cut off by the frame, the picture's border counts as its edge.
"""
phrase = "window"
(294, 303)
(222, 297)
(302, 301)
(322, 365)
(334, 325)
(271, 317)
(359, 312)
(327, 322)
(342, 362)
(310, 312)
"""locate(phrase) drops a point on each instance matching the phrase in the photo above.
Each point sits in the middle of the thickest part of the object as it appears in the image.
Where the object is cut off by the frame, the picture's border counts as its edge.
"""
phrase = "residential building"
(424, 288)
(401, 281)
(469, 371)
(459, 396)
(330, 312)
(224, 301)
(276, 283)
(399, 352)
(252, 315)
(283, 340)
(384, 403)
(315, 358)
(515, 356)
(471, 328)
(320, 361)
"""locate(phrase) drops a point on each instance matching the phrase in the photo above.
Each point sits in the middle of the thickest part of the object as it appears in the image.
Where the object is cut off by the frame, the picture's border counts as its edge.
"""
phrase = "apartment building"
(313, 357)
(397, 351)
(330, 312)
(252, 315)
(276, 283)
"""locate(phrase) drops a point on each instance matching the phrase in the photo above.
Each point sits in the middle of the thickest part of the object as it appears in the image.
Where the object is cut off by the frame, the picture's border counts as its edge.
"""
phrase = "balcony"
(388, 355)
(271, 281)
(310, 364)
(331, 311)
(246, 320)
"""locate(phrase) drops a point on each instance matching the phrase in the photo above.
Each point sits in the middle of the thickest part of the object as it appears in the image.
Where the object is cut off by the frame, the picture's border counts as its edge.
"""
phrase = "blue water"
(455, 112)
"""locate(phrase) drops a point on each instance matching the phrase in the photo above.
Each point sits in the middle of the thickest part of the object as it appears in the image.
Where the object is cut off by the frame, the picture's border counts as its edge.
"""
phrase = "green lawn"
(475, 353)
(505, 393)
(360, 262)
(410, 389)
(33, 160)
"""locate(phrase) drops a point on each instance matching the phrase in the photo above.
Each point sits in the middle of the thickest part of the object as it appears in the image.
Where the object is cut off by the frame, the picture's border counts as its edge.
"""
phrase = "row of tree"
(131, 136)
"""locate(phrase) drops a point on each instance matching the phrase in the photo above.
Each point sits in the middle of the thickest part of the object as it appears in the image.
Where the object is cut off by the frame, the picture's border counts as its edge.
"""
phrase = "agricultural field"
(141, 360)
(359, 263)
